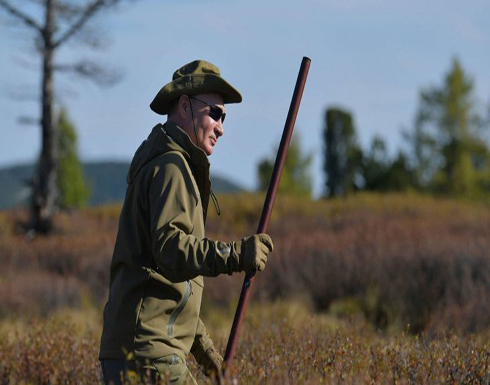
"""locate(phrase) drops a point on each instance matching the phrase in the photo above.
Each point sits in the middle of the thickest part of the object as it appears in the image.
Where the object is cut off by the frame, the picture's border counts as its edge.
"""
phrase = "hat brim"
(191, 85)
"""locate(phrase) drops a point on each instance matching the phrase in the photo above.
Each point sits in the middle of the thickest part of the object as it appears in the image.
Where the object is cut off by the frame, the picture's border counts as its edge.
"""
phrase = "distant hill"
(107, 180)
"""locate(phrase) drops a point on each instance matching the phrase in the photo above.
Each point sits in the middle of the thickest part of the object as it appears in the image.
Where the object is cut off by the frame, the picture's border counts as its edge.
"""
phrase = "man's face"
(208, 129)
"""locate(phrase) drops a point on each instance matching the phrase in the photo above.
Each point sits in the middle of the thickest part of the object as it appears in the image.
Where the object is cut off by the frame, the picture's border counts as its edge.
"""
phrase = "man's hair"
(173, 106)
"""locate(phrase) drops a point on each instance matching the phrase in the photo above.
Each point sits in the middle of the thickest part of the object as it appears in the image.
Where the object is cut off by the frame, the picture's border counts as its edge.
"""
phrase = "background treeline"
(447, 148)
(445, 152)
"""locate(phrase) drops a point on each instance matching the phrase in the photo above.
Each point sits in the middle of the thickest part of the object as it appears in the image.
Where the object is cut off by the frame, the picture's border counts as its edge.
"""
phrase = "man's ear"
(183, 107)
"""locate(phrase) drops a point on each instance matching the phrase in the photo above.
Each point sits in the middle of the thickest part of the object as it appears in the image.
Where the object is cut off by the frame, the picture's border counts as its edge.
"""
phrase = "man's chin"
(208, 150)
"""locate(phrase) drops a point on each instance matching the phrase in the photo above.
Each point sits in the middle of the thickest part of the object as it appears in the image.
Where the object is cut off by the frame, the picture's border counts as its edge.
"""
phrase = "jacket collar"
(181, 138)
(196, 157)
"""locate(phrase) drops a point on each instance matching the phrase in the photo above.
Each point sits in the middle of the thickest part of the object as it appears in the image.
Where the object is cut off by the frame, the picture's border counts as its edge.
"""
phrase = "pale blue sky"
(371, 57)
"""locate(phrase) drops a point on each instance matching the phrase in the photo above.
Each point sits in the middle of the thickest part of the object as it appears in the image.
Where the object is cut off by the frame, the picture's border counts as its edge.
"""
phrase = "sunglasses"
(215, 112)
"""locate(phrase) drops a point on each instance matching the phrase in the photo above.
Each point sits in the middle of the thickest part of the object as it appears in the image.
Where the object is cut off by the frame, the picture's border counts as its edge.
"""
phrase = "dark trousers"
(113, 371)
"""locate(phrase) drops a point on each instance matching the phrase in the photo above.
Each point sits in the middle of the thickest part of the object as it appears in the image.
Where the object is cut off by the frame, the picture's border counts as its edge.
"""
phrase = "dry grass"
(283, 342)
(393, 288)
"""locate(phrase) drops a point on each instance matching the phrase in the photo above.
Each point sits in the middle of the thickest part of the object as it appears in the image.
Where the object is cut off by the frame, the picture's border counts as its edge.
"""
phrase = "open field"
(370, 289)
(282, 343)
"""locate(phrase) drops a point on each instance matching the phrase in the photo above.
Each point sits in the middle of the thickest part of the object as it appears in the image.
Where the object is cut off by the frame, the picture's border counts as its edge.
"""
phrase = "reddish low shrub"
(408, 262)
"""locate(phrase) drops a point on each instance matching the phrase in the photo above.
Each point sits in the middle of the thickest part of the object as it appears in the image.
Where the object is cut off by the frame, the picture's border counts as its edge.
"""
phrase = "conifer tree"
(295, 178)
(343, 156)
(451, 156)
(74, 191)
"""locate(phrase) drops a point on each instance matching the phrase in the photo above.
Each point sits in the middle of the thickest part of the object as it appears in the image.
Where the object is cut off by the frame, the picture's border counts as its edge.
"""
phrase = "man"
(151, 319)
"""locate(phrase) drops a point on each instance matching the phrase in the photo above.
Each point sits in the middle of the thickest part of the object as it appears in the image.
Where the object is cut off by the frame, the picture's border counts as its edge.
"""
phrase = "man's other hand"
(211, 362)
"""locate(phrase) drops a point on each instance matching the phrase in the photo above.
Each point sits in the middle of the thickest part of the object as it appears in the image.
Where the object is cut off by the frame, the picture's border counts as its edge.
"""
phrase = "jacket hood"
(162, 139)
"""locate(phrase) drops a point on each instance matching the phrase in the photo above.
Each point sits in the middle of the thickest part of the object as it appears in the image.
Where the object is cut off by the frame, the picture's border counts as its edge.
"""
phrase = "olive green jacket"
(161, 253)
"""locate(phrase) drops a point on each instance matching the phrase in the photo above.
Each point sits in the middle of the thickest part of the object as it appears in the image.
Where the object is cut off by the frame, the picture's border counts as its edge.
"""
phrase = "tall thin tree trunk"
(45, 188)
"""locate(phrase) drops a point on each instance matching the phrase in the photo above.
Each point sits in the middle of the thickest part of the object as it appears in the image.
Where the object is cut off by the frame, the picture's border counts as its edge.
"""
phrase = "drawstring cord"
(216, 203)
(193, 123)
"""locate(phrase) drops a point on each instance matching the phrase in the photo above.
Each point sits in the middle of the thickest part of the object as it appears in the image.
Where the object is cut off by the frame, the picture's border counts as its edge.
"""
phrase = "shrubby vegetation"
(366, 288)
(406, 262)
(282, 342)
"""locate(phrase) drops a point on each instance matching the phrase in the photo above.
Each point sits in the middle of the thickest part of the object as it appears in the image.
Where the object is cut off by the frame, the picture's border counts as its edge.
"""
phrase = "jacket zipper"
(178, 310)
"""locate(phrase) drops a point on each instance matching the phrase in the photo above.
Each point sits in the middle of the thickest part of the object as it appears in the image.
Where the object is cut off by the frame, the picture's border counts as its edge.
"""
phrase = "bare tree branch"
(92, 37)
(21, 16)
(89, 12)
(90, 70)
(68, 11)
(22, 93)
(26, 120)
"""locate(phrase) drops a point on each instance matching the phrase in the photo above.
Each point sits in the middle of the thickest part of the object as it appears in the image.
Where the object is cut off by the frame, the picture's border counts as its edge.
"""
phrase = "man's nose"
(219, 129)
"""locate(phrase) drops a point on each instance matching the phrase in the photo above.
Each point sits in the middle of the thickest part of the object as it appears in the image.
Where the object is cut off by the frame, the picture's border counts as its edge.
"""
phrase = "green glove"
(211, 362)
(254, 251)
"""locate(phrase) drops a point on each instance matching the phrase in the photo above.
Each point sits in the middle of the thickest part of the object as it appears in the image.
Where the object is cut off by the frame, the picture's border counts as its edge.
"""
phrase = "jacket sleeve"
(173, 204)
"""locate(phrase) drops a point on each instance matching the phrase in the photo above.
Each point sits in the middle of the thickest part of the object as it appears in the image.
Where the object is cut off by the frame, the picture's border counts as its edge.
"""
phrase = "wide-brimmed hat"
(197, 77)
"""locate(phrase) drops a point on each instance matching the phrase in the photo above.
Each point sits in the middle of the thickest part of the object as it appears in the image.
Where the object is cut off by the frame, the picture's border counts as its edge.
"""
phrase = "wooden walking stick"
(267, 209)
